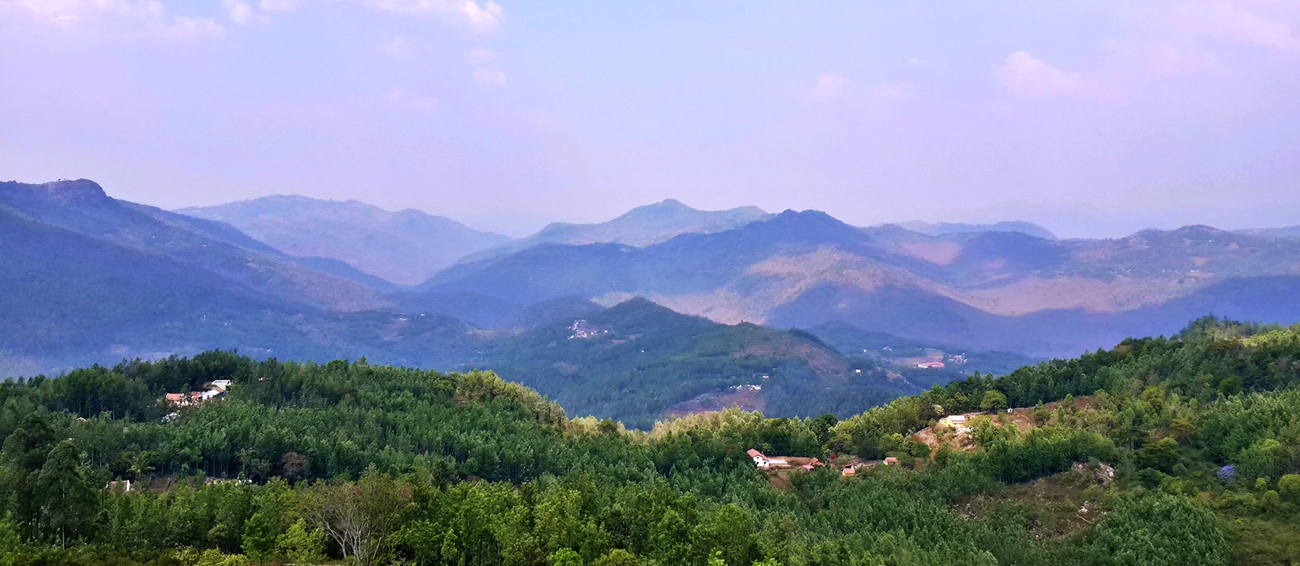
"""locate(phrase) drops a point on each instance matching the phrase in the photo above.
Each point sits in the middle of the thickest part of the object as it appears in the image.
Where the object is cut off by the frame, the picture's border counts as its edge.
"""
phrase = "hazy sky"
(1090, 117)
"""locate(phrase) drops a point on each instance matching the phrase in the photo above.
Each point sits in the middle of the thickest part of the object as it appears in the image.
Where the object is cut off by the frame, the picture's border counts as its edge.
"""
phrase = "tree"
(1154, 397)
(358, 516)
(141, 465)
(1289, 485)
(566, 557)
(1160, 454)
(821, 426)
(293, 466)
(617, 557)
(66, 496)
(993, 400)
(300, 545)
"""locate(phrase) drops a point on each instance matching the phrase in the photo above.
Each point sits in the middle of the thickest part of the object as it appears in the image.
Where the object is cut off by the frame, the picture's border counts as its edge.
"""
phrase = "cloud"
(1027, 76)
(1161, 59)
(915, 61)
(186, 27)
(277, 5)
(830, 86)
(484, 17)
(147, 15)
(1222, 19)
(240, 11)
(490, 76)
(68, 11)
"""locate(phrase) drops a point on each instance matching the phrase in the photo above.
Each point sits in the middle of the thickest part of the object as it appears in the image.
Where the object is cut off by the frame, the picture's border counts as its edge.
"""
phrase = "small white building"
(956, 422)
(763, 462)
(222, 384)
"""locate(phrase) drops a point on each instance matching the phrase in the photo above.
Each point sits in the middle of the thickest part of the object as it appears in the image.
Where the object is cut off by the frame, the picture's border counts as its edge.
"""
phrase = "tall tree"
(358, 516)
(68, 500)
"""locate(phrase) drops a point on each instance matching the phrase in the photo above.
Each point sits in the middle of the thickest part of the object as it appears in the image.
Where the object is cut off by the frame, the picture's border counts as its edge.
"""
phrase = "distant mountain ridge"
(946, 228)
(679, 310)
(86, 274)
(91, 279)
(992, 290)
(83, 207)
(404, 247)
(639, 227)
(1288, 232)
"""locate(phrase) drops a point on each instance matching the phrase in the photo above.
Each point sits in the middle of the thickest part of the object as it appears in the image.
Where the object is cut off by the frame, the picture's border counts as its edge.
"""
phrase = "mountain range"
(946, 228)
(641, 226)
(662, 308)
(990, 290)
(404, 247)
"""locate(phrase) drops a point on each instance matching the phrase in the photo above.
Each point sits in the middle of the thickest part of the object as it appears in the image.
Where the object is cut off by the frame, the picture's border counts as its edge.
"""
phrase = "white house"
(957, 422)
(222, 384)
(763, 462)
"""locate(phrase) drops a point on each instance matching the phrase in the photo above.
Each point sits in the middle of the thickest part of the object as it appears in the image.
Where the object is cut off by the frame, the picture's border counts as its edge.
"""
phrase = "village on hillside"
(953, 432)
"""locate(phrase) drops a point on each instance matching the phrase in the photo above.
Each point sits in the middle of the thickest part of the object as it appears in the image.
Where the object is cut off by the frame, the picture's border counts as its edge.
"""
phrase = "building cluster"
(583, 330)
(215, 390)
(762, 462)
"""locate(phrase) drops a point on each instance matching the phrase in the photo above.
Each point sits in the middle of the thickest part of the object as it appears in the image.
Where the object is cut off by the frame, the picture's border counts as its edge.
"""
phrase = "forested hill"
(1181, 450)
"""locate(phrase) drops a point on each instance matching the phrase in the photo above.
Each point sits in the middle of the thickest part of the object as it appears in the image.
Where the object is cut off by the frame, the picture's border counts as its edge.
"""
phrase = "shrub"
(1289, 485)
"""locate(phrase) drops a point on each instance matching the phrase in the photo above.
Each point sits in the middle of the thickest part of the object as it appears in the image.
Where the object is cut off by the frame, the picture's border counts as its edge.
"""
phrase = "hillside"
(1156, 452)
(639, 227)
(633, 361)
(91, 278)
(989, 290)
(404, 247)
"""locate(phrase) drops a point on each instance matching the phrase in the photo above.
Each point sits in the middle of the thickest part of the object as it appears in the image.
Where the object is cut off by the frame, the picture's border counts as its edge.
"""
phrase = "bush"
(1289, 485)
(1160, 454)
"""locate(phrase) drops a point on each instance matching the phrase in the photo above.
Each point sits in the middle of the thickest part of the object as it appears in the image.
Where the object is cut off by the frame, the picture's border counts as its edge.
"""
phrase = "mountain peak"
(667, 207)
(62, 192)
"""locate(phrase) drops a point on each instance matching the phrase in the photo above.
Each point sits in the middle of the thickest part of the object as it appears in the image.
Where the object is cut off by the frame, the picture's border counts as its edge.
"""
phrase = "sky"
(1092, 118)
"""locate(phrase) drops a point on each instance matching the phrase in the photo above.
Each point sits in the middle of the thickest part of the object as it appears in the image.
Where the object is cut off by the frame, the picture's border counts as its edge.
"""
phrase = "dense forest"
(1179, 450)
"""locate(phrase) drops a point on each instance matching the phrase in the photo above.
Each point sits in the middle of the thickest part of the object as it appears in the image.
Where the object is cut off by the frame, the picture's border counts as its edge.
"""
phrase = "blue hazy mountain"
(92, 279)
(991, 290)
(403, 247)
(89, 278)
(946, 228)
(639, 227)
